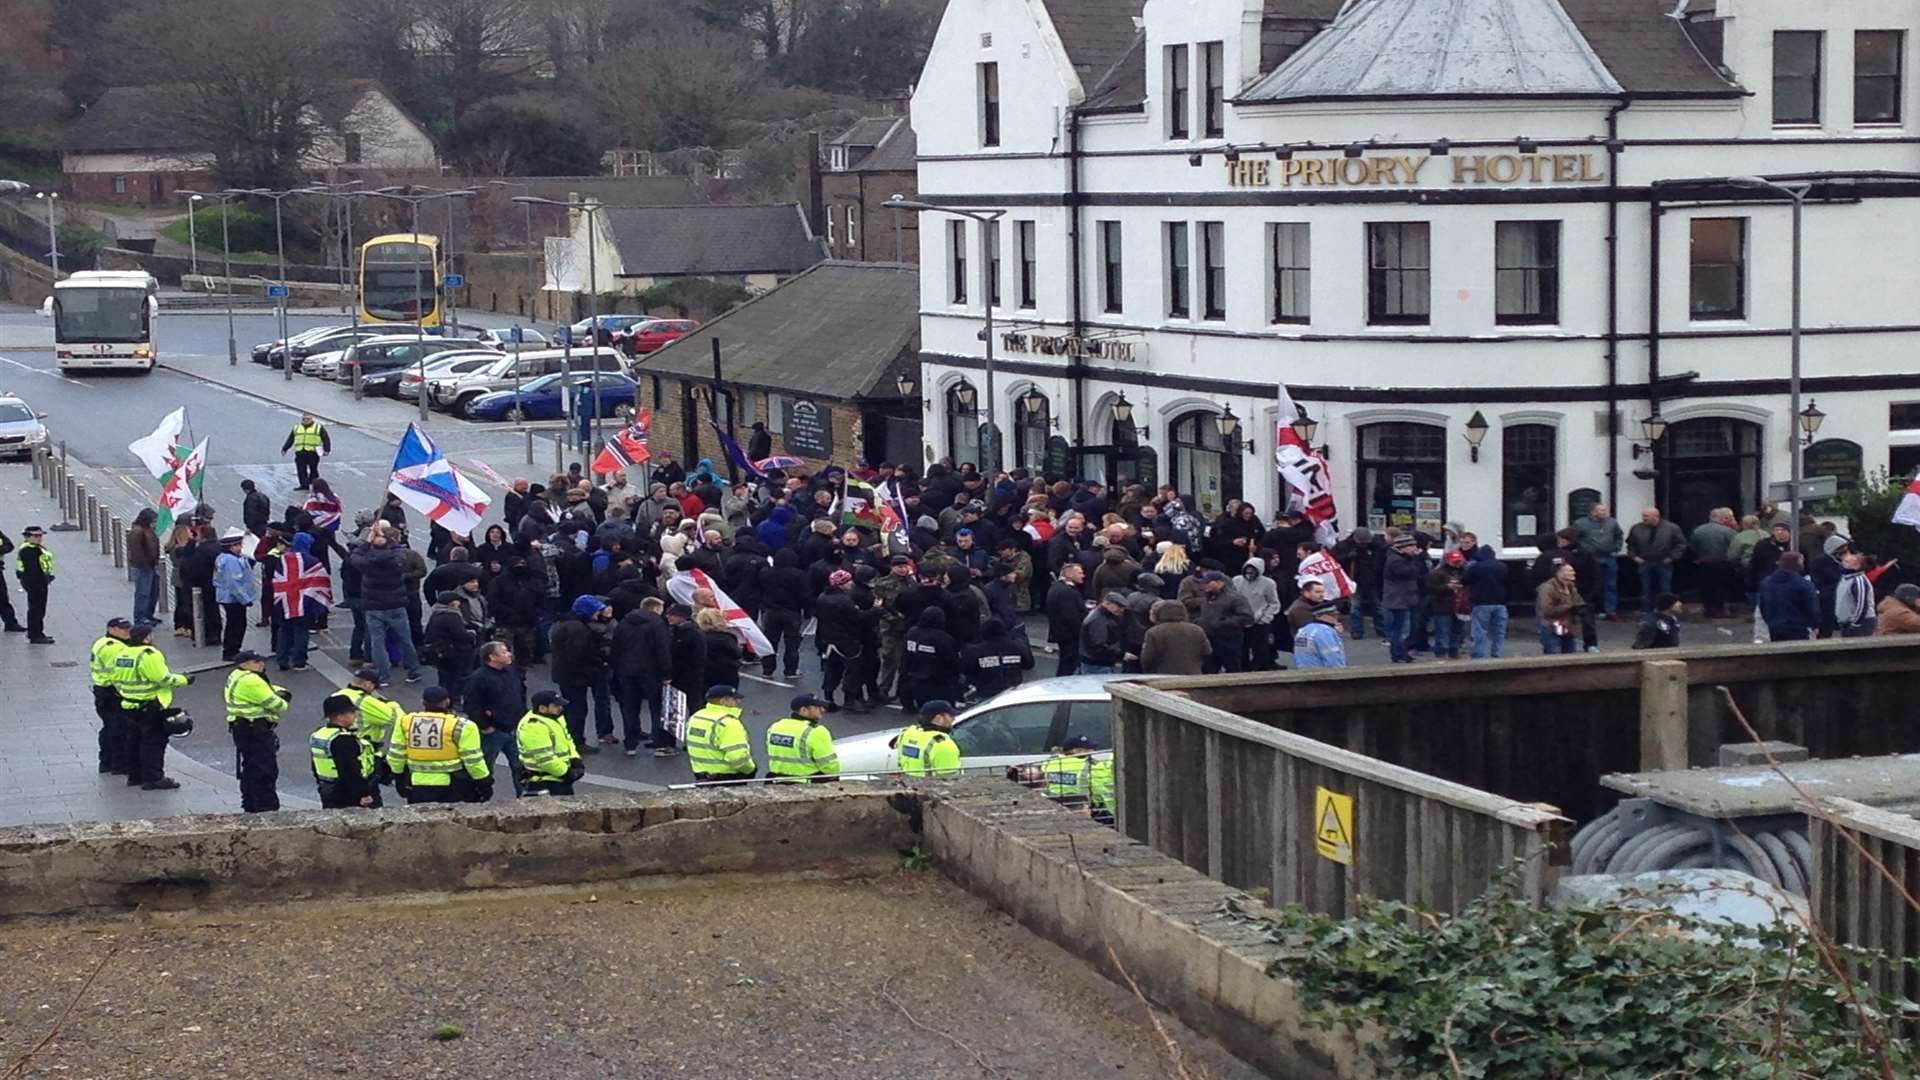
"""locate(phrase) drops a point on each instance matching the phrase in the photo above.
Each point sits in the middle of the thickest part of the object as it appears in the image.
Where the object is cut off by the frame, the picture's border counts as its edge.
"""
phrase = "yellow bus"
(400, 279)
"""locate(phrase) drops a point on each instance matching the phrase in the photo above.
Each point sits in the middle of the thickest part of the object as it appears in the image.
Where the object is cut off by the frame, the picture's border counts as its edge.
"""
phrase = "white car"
(523, 336)
(446, 365)
(20, 428)
(1020, 726)
(323, 365)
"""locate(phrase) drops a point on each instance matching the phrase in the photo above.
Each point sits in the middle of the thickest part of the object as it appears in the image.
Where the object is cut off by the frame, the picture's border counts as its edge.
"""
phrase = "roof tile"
(678, 240)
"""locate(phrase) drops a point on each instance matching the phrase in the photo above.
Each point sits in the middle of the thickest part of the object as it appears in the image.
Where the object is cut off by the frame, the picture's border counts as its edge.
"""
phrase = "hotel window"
(1029, 265)
(993, 261)
(1179, 284)
(1292, 272)
(1527, 453)
(830, 216)
(1213, 59)
(1399, 272)
(1717, 268)
(989, 104)
(853, 230)
(1179, 102)
(1796, 76)
(1213, 260)
(957, 261)
(1877, 61)
(1111, 280)
(1526, 272)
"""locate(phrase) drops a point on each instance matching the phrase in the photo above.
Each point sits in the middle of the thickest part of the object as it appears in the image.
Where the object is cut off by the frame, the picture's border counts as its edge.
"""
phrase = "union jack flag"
(325, 511)
(301, 581)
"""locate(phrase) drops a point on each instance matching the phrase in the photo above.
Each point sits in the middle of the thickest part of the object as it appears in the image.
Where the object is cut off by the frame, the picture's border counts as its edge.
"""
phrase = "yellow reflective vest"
(379, 717)
(100, 658)
(320, 745)
(141, 678)
(924, 751)
(250, 696)
(798, 747)
(717, 743)
(546, 746)
(306, 437)
(432, 746)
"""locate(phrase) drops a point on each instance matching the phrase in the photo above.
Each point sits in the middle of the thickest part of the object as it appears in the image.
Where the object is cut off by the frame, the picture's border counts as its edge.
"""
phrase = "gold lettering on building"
(1406, 169)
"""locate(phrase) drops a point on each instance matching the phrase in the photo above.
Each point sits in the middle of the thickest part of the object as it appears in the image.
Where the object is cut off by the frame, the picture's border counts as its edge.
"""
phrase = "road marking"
(619, 784)
(769, 682)
(48, 374)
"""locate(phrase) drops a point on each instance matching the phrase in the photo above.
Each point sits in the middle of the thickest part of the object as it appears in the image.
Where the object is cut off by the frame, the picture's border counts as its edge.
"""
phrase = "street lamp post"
(591, 209)
(53, 236)
(413, 199)
(280, 255)
(1797, 192)
(343, 192)
(226, 272)
(193, 234)
(989, 221)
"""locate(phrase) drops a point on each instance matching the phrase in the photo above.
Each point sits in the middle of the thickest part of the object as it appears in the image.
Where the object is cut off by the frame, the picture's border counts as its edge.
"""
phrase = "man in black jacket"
(642, 656)
(838, 633)
(995, 662)
(1066, 608)
(383, 599)
(449, 575)
(784, 603)
(496, 698)
(579, 658)
(1103, 636)
(255, 509)
(450, 642)
(688, 649)
(930, 666)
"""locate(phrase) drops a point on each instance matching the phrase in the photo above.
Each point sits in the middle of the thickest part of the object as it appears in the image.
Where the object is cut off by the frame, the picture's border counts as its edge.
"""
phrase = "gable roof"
(665, 241)
(898, 151)
(133, 118)
(868, 131)
(838, 331)
(1441, 48)
(1095, 33)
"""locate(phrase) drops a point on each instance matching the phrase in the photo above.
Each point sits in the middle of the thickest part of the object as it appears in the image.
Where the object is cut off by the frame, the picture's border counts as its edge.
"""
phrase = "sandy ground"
(740, 978)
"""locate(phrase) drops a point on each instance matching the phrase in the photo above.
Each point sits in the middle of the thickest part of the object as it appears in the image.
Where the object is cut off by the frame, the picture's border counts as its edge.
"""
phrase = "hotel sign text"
(1408, 169)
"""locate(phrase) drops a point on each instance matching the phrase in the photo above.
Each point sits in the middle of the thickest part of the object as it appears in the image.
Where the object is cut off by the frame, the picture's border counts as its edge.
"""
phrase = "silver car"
(455, 393)
(446, 365)
(20, 428)
(387, 353)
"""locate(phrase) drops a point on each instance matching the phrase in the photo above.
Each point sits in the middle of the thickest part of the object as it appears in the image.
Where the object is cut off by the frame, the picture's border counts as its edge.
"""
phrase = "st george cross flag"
(300, 583)
(1305, 471)
(426, 481)
(1908, 512)
(684, 584)
(628, 446)
(1324, 568)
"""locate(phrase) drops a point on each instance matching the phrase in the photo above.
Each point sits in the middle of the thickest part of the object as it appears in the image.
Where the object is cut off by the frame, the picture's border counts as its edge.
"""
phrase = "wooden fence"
(1248, 804)
(1857, 904)
(1545, 729)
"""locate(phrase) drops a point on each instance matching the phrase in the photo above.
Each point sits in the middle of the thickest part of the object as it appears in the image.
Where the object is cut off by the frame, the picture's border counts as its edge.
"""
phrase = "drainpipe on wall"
(1074, 283)
(1654, 212)
(1614, 148)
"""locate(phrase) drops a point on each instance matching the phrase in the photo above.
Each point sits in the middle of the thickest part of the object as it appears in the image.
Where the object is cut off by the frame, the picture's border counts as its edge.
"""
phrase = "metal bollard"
(90, 509)
(34, 459)
(106, 529)
(63, 451)
(163, 588)
(529, 447)
(66, 493)
(559, 454)
(119, 530)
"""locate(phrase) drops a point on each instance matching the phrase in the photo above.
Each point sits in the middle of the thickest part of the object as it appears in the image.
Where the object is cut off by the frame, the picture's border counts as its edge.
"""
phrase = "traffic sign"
(1812, 489)
(455, 281)
(278, 292)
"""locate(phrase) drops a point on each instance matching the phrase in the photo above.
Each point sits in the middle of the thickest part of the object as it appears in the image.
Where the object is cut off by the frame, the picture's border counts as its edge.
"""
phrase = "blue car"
(541, 398)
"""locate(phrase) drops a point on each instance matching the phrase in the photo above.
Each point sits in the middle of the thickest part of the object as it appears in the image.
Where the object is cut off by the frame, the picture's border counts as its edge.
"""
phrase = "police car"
(20, 428)
(1020, 726)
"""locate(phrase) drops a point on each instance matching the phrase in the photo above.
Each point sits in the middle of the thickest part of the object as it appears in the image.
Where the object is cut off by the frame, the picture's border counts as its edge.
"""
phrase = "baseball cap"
(900, 560)
(32, 530)
(433, 694)
(1213, 575)
(804, 701)
(366, 674)
(931, 709)
(1455, 558)
(247, 656)
(119, 623)
(588, 606)
(1078, 742)
(548, 697)
(720, 690)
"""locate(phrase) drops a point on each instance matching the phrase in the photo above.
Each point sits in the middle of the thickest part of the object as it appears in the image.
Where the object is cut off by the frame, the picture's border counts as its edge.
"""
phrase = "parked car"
(337, 339)
(386, 353)
(544, 398)
(263, 352)
(609, 325)
(404, 382)
(321, 365)
(1020, 726)
(652, 335)
(526, 337)
(456, 393)
(20, 427)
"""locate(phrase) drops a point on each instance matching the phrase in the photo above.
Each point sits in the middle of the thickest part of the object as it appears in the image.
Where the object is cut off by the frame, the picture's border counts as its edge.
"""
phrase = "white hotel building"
(1437, 221)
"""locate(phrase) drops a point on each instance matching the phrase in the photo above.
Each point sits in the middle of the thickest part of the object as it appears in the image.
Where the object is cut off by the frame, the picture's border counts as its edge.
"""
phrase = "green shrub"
(1869, 510)
(247, 230)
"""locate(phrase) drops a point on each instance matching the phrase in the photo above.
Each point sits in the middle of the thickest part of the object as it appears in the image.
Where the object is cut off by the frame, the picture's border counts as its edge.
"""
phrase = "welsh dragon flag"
(180, 484)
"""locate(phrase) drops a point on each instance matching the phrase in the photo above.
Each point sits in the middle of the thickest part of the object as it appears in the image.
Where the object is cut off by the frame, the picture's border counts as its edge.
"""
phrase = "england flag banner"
(426, 481)
(1322, 567)
(684, 584)
(1305, 471)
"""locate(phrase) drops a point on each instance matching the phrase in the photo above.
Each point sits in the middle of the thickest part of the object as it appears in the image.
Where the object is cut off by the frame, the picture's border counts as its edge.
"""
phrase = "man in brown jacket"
(1173, 645)
(1300, 612)
(143, 559)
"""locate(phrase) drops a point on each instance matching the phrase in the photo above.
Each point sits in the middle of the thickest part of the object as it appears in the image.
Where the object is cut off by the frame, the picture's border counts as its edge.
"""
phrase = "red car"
(654, 334)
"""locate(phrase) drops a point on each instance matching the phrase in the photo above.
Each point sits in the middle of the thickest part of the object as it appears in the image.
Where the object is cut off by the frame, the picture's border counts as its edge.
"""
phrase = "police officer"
(547, 751)
(145, 686)
(254, 708)
(435, 756)
(308, 440)
(717, 741)
(1069, 772)
(343, 762)
(799, 746)
(33, 565)
(380, 717)
(106, 704)
(927, 748)
(995, 662)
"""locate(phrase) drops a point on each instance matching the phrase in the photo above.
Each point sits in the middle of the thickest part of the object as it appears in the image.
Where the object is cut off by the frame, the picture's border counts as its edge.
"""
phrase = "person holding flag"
(302, 591)
(1305, 471)
(628, 446)
(426, 481)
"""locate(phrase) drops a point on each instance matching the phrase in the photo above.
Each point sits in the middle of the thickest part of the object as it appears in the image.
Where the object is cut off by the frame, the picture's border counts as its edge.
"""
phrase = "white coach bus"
(103, 320)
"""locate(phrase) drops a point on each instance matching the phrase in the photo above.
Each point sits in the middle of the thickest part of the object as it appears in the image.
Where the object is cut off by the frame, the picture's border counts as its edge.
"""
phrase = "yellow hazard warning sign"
(1333, 825)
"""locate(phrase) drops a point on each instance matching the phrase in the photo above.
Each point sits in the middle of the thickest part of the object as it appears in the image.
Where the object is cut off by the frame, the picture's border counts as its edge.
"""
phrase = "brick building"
(818, 360)
(867, 164)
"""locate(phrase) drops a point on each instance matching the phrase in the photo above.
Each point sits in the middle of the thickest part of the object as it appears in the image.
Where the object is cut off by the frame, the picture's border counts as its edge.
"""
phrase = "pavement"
(715, 977)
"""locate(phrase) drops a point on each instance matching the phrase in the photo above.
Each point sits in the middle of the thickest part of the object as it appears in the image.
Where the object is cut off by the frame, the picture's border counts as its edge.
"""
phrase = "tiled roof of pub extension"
(898, 151)
(1650, 54)
(838, 331)
(666, 241)
(1095, 33)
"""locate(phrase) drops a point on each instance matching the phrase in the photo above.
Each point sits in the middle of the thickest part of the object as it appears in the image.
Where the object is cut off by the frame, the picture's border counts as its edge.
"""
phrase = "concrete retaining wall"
(1088, 889)
(301, 854)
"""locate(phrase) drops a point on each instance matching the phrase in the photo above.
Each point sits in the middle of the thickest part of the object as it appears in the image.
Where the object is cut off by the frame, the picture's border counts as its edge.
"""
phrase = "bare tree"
(479, 44)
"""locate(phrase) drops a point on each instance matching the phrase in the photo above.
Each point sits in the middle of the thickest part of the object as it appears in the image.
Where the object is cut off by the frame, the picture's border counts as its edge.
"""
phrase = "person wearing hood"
(773, 532)
(784, 603)
(1263, 596)
(1788, 601)
(1140, 600)
(1116, 570)
(930, 666)
(1173, 644)
(966, 605)
(290, 641)
(579, 644)
(1485, 579)
(996, 661)
(1002, 602)
(450, 642)
(1899, 612)
(839, 634)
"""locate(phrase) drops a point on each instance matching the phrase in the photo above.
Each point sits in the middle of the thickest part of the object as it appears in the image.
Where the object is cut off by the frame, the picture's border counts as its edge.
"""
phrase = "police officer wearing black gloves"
(343, 762)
